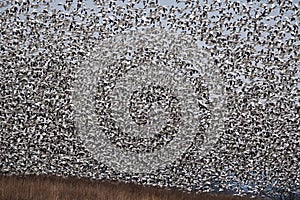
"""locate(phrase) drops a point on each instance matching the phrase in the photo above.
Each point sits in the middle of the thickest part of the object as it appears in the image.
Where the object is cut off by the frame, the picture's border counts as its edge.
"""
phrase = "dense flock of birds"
(254, 45)
(151, 92)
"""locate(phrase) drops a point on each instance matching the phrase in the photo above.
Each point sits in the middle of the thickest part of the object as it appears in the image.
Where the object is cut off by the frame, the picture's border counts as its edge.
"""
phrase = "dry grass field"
(50, 188)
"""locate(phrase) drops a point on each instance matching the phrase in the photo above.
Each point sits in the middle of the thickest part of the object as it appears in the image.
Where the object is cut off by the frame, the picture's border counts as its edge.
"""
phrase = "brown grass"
(46, 187)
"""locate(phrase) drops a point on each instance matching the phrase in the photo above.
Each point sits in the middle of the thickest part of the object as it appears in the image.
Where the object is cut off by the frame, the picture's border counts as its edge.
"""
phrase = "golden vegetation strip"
(50, 187)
